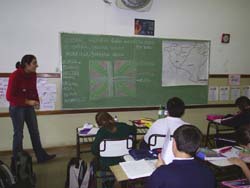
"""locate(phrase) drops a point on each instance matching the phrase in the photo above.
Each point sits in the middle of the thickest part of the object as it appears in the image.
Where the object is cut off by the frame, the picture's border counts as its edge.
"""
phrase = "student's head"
(104, 119)
(28, 63)
(187, 139)
(175, 107)
(242, 102)
(243, 135)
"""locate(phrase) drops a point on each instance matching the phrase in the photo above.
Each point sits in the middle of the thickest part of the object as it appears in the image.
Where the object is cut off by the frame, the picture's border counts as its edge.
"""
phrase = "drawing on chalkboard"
(185, 63)
(111, 79)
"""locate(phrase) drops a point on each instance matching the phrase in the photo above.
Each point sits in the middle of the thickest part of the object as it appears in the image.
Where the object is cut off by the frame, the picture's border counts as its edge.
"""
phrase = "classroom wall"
(30, 26)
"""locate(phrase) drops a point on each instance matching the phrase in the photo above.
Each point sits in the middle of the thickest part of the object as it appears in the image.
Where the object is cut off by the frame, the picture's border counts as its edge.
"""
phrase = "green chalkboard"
(115, 71)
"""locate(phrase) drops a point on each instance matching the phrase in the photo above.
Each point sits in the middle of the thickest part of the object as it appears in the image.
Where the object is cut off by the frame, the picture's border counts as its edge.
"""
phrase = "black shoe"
(46, 158)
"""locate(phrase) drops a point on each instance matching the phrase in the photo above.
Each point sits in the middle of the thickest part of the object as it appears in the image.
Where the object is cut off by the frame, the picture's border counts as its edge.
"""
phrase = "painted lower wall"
(59, 130)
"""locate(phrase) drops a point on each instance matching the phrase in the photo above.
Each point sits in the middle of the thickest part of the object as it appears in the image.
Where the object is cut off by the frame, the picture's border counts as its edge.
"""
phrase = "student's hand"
(31, 102)
(243, 154)
(237, 161)
(159, 161)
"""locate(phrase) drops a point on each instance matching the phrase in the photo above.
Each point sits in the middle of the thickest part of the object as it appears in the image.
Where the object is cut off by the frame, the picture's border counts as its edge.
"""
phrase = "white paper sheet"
(138, 169)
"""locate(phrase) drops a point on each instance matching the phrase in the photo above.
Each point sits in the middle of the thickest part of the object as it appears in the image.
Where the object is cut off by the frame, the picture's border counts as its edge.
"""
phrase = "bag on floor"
(80, 174)
(7, 179)
(23, 170)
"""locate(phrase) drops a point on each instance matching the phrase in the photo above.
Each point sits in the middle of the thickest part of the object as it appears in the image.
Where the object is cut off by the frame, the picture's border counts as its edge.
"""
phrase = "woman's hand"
(31, 102)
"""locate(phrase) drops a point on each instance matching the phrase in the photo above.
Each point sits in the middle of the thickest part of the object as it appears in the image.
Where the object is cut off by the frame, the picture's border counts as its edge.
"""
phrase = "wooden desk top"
(119, 173)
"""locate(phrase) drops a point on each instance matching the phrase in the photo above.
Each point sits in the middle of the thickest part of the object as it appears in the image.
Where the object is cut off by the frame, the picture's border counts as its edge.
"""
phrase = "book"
(209, 154)
(138, 169)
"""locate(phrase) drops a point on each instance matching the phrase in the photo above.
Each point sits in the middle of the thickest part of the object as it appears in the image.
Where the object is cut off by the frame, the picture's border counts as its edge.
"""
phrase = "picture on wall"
(144, 27)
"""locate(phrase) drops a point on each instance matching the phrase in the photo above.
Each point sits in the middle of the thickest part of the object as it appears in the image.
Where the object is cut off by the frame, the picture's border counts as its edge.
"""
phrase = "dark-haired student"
(243, 138)
(23, 98)
(109, 129)
(169, 124)
(242, 117)
(184, 171)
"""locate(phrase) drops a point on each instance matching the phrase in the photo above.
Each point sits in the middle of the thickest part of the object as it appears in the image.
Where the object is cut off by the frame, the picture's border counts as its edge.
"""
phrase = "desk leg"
(216, 135)
(207, 136)
(77, 145)
(124, 184)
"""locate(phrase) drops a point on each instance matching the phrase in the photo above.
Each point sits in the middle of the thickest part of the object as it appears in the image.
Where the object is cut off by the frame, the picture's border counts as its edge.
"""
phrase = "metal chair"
(156, 141)
(115, 148)
(112, 148)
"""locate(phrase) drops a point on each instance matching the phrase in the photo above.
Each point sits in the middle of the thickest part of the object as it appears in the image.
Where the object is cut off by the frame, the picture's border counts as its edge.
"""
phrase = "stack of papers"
(87, 129)
(228, 152)
(138, 169)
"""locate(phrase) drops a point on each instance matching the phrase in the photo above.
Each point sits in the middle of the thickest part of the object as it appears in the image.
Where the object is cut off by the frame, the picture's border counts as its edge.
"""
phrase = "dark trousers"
(19, 115)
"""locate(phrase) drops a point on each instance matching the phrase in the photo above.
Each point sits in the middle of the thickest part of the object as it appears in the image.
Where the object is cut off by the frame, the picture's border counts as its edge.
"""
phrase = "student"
(23, 97)
(242, 117)
(167, 125)
(243, 137)
(184, 171)
(109, 129)
(176, 108)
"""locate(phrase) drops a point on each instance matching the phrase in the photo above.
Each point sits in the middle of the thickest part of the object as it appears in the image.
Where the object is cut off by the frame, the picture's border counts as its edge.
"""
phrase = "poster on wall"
(3, 87)
(144, 27)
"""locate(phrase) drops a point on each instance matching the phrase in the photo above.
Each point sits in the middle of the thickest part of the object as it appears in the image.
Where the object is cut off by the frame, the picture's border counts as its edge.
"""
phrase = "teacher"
(23, 98)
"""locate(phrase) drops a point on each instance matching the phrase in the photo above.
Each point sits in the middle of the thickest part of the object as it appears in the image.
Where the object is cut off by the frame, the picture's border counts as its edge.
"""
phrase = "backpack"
(80, 174)
(23, 170)
(7, 180)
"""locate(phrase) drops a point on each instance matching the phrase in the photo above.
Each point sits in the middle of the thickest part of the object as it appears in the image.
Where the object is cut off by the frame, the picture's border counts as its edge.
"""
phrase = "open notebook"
(138, 169)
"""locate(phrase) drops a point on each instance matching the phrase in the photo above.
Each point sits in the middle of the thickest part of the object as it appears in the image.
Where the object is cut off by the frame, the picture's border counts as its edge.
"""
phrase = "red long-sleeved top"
(21, 86)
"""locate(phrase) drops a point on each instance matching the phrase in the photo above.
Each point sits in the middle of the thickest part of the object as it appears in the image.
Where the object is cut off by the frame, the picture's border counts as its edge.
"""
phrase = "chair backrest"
(115, 148)
(156, 141)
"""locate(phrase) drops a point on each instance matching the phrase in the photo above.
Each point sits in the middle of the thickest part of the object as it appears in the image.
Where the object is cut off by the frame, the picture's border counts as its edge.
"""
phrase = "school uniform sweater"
(122, 132)
(242, 118)
(182, 173)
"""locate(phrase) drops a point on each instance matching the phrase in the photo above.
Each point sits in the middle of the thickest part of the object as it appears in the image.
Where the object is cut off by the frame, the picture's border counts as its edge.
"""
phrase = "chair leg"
(108, 184)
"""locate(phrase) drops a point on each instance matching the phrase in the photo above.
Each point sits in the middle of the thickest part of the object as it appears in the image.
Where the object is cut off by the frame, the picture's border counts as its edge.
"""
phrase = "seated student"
(176, 109)
(109, 129)
(242, 117)
(184, 171)
(243, 138)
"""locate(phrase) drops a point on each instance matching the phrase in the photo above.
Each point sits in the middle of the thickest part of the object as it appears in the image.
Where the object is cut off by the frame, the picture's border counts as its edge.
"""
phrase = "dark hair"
(188, 139)
(242, 102)
(175, 107)
(27, 59)
(243, 134)
(104, 119)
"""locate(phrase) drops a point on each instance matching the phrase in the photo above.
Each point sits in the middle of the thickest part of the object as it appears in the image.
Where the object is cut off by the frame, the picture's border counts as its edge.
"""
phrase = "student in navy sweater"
(242, 117)
(184, 171)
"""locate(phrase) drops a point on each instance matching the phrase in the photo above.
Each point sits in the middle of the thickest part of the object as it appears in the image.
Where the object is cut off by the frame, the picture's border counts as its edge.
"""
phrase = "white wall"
(33, 26)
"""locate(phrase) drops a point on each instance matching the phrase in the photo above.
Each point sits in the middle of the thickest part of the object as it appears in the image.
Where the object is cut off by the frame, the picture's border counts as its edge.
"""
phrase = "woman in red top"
(23, 97)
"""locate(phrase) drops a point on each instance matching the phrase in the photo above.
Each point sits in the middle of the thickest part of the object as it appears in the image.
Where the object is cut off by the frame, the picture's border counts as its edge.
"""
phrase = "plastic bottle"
(116, 118)
(165, 112)
(161, 112)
